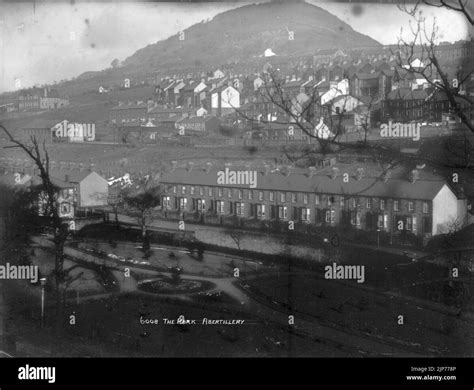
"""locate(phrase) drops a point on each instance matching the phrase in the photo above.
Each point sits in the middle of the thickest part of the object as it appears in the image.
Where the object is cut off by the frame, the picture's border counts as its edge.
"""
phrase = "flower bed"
(168, 286)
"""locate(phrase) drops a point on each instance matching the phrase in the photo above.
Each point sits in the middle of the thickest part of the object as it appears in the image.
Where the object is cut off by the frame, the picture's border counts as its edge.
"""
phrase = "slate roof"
(42, 124)
(130, 106)
(417, 94)
(321, 182)
(398, 93)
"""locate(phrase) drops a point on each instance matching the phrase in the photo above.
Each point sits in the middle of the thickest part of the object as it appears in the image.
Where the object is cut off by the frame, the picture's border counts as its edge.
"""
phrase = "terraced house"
(417, 202)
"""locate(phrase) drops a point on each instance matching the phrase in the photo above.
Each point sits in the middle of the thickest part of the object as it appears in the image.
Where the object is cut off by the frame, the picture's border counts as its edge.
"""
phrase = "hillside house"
(224, 100)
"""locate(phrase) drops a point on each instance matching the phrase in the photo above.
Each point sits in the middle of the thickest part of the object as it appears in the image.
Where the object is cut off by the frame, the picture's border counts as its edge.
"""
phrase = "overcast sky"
(46, 42)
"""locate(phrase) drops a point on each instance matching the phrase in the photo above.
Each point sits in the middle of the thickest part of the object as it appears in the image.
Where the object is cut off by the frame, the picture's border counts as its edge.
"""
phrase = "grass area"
(350, 307)
(112, 327)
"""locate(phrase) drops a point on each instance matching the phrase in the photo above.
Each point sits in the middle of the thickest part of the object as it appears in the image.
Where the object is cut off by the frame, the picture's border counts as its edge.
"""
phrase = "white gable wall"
(93, 191)
(447, 210)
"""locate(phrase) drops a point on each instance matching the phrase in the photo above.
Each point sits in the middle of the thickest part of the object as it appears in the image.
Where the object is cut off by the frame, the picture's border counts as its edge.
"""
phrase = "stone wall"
(255, 242)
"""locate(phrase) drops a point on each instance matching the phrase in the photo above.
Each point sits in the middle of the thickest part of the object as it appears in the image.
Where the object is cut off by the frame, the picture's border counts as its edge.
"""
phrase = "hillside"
(246, 32)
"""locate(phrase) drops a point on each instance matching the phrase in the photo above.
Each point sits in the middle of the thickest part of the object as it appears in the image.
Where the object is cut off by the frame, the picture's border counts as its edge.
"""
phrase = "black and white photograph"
(237, 179)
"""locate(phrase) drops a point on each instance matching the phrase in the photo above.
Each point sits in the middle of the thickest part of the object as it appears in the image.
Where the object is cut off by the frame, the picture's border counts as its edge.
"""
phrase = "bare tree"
(47, 195)
(465, 7)
(419, 57)
(321, 116)
(237, 236)
(141, 199)
(116, 199)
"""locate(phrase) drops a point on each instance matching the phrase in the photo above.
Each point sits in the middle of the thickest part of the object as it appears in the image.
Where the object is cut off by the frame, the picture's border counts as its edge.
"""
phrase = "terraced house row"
(417, 201)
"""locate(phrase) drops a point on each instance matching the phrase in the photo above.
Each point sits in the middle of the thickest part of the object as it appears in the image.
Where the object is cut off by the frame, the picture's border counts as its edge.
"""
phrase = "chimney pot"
(208, 167)
(386, 175)
(414, 175)
(267, 169)
(189, 166)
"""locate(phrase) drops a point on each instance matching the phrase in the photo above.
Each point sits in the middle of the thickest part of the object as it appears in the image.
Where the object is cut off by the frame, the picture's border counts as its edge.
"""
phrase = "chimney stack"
(286, 170)
(311, 171)
(189, 166)
(414, 175)
(208, 167)
(360, 173)
(335, 173)
(386, 175)
(267, 169)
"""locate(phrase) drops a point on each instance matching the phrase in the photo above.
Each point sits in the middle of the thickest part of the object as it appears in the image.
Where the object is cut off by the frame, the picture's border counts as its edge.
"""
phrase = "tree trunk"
(59, 291)
(117, 224)
(145, 243)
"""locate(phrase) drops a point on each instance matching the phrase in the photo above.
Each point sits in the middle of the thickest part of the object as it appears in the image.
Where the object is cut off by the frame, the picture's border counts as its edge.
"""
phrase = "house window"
(201, 205)
(282, 197)
(369, 203)
(240, 208)
(220, 206)
(425, 208)
(409, 223)
(306, 214)
(282, 212)
(192, 190)
(220, 191)
(229, 192)
(201, 191)
(330, 216)
(261, 211)
(355, 218)
(183, 203)
(241, 194)
(209, 192)
(260, 195)
(183, 189)
(410, 206)
(316, 199)
(305, 198)
(65, 193)
(396, 205)
(330, 200)
(272, 196)
(250, 195)
(382, 221)
(166, 202)
(413, 222)
(174, 189)
(293, 198)
(65, 208)
(341, 201)
(382, 204)
(353, 203)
